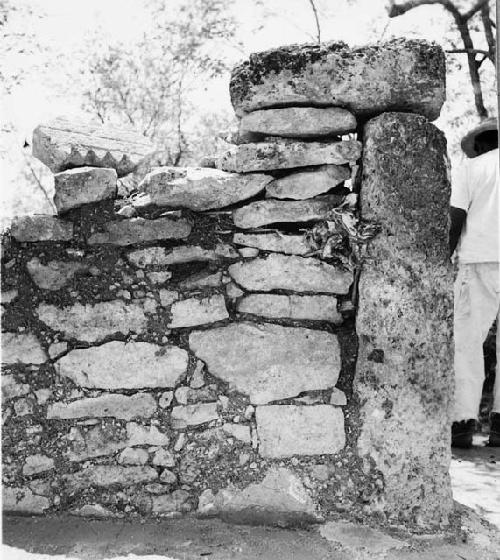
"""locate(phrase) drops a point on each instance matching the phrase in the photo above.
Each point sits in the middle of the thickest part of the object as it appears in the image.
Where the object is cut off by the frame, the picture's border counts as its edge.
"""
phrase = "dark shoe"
(462, 432)
(494, 440)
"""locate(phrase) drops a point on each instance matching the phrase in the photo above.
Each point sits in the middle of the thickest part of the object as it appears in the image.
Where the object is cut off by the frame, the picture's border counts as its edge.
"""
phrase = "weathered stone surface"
(239, 432)
(192, 312)
(286, 430)
(139, 230)
(404, 370)
(167, 297)
(57, 348)
(297, 274)
(114, 406)
(11, 389)
(177, 501)
(159, 256)
(317, 308)
(159, 277)
(275, 242)
(200, 188)
(299, 122)
(93, 510)
(308, 183)
(93, 323)
(77, 187)
(269, 362)
(193, 415)
(41, 227)
(145, 435)
(22, 348)
(265, 212)
(64, 144)
(164, 458)
(202, 280)
(399, 75)
(8, 296)
(53, 275)
(97, 442)
(267, 156)
(338, 397)
(280, 499)
(103, 476)
(133, 456)
(36, 464)
(22, 500)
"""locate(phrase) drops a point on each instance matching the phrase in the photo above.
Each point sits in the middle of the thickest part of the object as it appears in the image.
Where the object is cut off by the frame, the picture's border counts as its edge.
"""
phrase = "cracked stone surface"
(193, 415)
(36, 464)
(193, 311)
(159, 256)
(41, 227)
(12, 389)
(104, 476)
(275, 242)
(145, 435)
(22, 500)
(53, 275)
(22, 348)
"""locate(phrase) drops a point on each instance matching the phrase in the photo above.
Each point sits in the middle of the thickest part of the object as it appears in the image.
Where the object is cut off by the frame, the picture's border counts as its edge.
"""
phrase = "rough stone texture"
(404, 369)
(133, 456)
(103, 476)
(338, 397)
(93, 323)
(145, 435)
(159, 256)
(299, 122)
(85, 185)
(114, 406)
(269, 362)
(167, 297)
(139, 230)
(22, 348)
(93, 510)
(200, 188)
(63, 144)
(267, 156)
(8, 296)
(192, 312)
(115, 365)
(41, 227)
(164, 458)
(297, 274)
(280, 499)
(308, 184)
(175, 502)
(36, 464)
(11, 389)
(53, 275)
(399, 75)
(193, 415)
(97, 442)
(275, 242)
(317, 308)
(202, 280)
(265, 212)
(239, 432)
(22, 500)
(286, 430)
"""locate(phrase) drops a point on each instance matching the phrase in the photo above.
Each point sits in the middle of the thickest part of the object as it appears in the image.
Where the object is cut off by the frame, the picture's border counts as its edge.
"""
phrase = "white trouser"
(477, 305)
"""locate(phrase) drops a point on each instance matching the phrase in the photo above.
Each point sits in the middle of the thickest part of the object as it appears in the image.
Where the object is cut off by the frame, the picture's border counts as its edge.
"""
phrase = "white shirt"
(475, 189)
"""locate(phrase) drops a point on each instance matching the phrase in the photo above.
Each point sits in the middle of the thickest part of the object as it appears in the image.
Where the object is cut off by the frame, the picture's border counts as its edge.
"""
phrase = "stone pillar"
(404, 371)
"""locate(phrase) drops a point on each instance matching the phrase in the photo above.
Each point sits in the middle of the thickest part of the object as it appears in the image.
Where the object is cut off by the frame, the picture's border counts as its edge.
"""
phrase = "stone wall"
(191, 345)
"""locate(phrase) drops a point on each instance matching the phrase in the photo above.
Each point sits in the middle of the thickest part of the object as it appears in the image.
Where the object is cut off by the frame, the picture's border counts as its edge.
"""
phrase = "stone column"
(404, 371)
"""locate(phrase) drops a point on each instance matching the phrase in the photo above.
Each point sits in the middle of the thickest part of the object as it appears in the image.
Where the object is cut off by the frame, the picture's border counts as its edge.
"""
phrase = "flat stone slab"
(275, 242)
(139, 230)
(193, 311)
(159, 256)
(41, 227)
(399, 75)
(22, 348)
(200, 188)
(193, 415)
(96, 442)
(115, 365)
(284, 272)
(93, 323)
(64, 144)
(299, 122)
(286, 430)
(84, 185)
(268, 156)
(22, 500)
(264, 212)
(36, 464)
(11, 389)
(138, 434)
(308, 184)
(202, 280)
(104, 476)
(269, 362)
(53, 275)
(114, 406)
(315, 308)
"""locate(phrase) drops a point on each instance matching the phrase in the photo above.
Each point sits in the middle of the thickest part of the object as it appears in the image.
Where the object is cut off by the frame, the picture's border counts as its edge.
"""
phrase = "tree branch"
(318, 29)
(396, 10)
(466, 51)
(488, 31)
(477, 6)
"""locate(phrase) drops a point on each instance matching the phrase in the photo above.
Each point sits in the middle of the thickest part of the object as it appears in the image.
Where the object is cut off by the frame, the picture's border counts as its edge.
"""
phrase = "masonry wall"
(191, 346)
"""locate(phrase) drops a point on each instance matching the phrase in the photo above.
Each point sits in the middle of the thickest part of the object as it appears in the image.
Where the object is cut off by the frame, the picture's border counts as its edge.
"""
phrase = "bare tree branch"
(488, 31)
(396, 10)
(318, 28)
(477, 6)
(466, 51)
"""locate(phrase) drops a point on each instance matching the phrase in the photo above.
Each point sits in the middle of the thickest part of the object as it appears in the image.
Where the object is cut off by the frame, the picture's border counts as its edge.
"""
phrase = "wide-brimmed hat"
(469, 139)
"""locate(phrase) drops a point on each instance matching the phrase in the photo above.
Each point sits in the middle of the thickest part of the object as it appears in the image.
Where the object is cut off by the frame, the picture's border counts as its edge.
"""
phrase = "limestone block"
(36, 464)
(192, 312)
(53, 275)
(115, 406)
(104, 476)
(139, 230)
(275, 242)
(269, 362)
(399, 75)
(159, 256)
(41, 227)
(164, 458)
(11, 389)
(202, 280)
(85, 185)
(64, 144)
(286, 430)
(145, 435)
(93, 323)
(308, 183)
(297, 274)
(316, 308)
(338, 397)
(133, 456)
(167, 297)
(280, 499)
(238, 431)
(175, 502)
(265, 212)
(114, 365)
(22, 348)
(404, 372)
(22, 500)
(299, 122)
(268, 156)
(199, 188)
(193, 415)
(96, 442)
